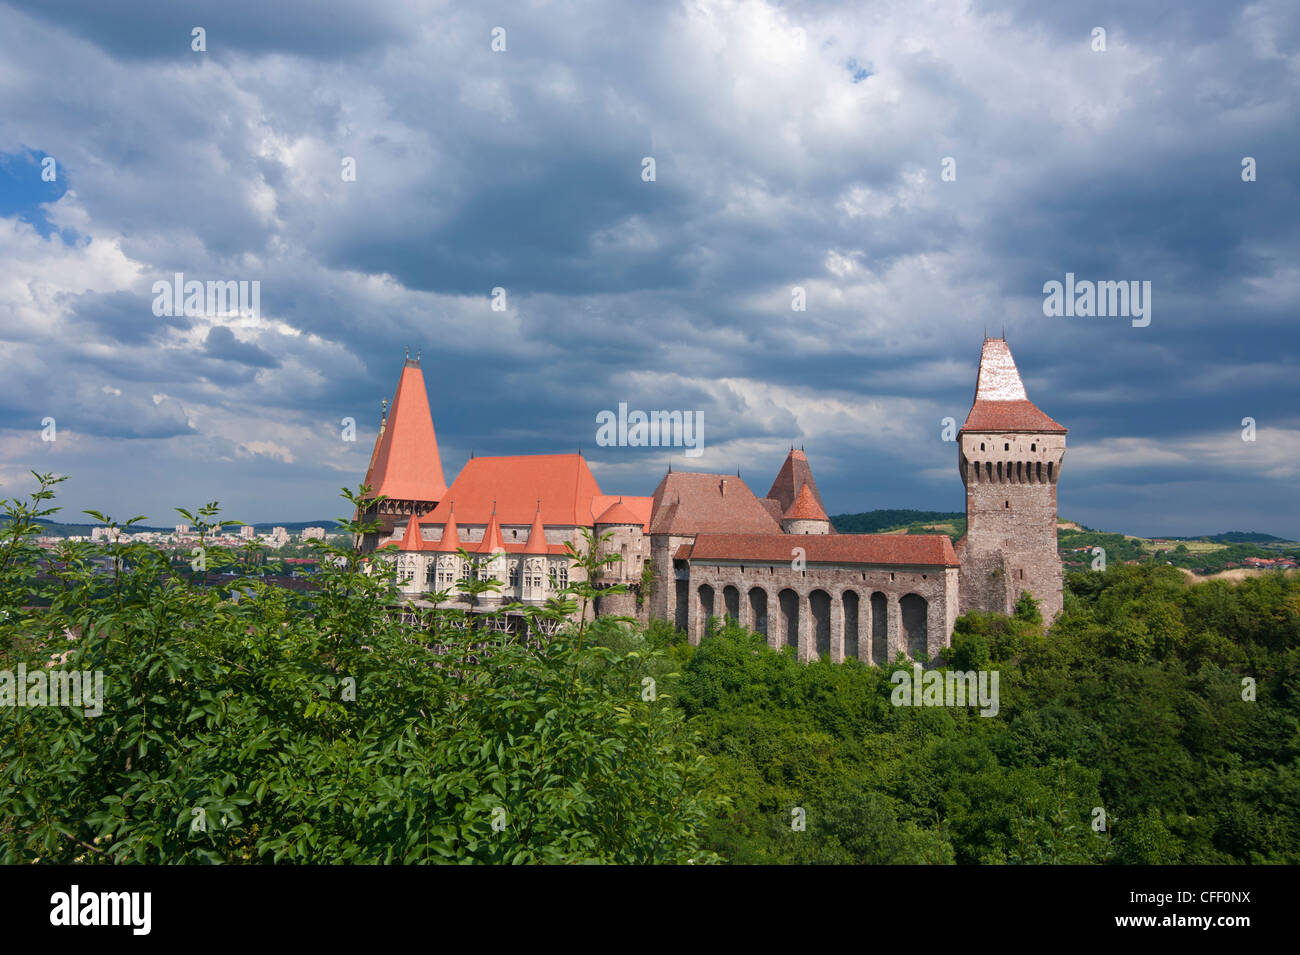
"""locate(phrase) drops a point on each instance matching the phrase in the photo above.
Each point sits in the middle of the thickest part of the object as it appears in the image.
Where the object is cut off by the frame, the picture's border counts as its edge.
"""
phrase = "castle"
(713, 548)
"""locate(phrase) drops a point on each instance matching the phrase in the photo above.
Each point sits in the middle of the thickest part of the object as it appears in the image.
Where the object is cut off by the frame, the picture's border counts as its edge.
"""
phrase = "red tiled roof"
(805, 507)
(563, 482)
(1000, 400)
(619, 513)
(687, 503)
(887, 549)
(405, 464)
(639, 506)
(795, 473)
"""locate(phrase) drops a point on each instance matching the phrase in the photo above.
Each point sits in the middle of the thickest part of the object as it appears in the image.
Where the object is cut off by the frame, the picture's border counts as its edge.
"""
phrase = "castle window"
(1022, 574)
(981, 445)
(1006, 447)
(1006, 504)
(1033, 447)
(429, 573)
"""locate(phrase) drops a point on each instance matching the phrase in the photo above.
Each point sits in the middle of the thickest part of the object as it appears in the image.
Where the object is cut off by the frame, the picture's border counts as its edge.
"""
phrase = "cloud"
(795, 144)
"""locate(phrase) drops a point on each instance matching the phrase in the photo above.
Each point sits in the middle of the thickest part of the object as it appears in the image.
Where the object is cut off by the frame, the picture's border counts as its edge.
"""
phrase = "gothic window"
(429, 573)
(561, 576)
(514, 573)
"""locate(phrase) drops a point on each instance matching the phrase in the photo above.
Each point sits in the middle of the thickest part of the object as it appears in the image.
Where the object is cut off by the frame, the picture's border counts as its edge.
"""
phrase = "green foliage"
(282, 727)
(321, 727)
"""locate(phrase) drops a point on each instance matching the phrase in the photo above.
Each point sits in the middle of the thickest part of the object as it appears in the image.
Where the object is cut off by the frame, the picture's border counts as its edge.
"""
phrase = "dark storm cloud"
(797, 144)
(156, 29)
(222, 344)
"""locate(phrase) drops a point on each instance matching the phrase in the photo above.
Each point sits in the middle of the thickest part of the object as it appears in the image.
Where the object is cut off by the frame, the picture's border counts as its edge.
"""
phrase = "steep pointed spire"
(492, 542)
(795, 473)
(450, 535)
(1001, 403)
(405, 464)
(537, 534)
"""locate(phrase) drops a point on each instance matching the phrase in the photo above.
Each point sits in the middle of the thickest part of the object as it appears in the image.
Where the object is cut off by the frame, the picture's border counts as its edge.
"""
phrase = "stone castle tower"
(1010, 457)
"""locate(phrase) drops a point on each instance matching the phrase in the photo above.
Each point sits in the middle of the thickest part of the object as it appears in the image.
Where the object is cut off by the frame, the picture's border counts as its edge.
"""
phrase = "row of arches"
(865, 619)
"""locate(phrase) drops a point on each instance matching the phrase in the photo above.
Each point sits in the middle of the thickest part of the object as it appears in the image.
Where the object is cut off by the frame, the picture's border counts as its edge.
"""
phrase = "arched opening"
(849, 601)
(1049, 471)
(914, 611)
(819, 603)
(683, 604)
(789, 601)
(758, 610)
(879, 629)
(731, 602)
(706, 606)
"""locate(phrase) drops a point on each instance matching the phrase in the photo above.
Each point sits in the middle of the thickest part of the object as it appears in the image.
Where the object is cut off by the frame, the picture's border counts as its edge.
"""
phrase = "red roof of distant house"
(405, 464)
(805, 507)
(1000, 400)
(564, 483)
(795, 474)
(687, 503)
(887, 549)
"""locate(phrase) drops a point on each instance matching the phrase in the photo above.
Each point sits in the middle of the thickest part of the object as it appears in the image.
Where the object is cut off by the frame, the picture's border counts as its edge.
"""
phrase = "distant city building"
(182, 530)
(313, 533)
(248, 532)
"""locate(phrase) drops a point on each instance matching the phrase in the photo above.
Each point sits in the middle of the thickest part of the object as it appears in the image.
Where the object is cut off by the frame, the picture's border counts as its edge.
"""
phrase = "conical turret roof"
(492, 542)
(405, 464)
(537, 535)
(1000, 400)
(805, 507)
(450, 535)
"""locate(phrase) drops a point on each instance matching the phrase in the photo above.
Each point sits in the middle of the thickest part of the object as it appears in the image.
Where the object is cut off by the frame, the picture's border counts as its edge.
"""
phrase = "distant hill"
(873, 522)
(1235, 537)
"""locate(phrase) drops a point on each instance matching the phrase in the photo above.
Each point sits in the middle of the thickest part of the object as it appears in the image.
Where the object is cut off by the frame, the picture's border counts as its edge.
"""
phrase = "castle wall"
(1011, 513)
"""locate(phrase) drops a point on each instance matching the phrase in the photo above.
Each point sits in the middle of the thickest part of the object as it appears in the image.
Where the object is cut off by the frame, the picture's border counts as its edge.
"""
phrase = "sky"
(919, 169)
